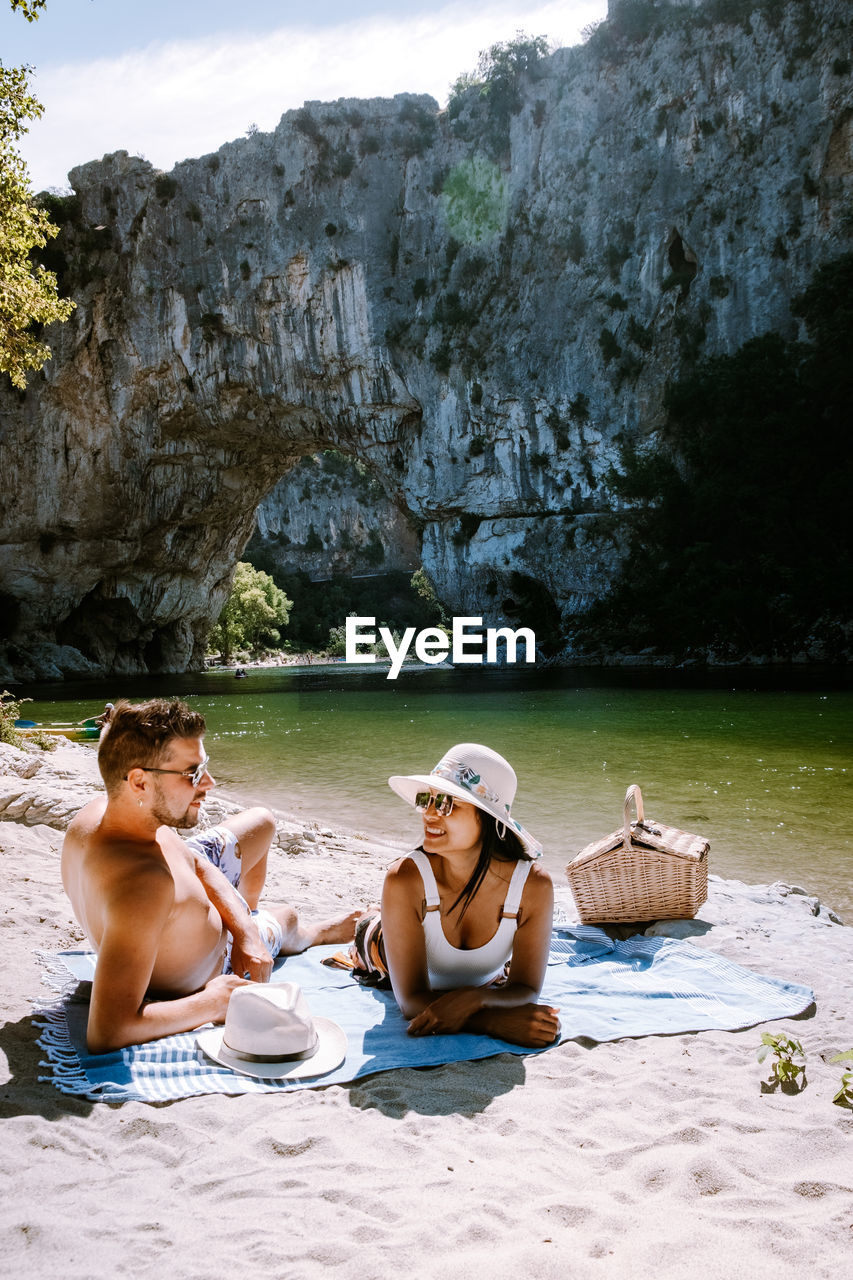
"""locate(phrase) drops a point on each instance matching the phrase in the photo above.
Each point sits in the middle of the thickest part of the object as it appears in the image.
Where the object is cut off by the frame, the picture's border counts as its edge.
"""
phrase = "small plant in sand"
(10, 711)
(789, 1064)
(844, 1097)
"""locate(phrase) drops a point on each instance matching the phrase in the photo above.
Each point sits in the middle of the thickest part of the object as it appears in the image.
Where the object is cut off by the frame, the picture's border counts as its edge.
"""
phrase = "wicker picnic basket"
(644, 871)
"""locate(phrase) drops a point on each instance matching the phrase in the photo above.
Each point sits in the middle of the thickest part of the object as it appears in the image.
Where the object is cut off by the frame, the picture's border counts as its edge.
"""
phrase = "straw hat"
(477, 775)
(269, 1033)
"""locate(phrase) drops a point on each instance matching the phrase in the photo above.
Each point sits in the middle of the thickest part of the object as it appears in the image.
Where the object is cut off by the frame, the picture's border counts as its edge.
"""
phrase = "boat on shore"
(86, 731)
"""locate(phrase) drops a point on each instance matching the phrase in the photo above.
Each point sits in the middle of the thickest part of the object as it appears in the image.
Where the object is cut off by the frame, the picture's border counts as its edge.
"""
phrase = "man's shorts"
(219, 845)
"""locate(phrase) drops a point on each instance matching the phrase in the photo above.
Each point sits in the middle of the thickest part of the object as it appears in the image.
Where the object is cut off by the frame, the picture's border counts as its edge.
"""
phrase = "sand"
(654, 1157)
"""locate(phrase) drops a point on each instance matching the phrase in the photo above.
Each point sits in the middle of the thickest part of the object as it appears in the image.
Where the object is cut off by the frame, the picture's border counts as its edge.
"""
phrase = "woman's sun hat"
(477, 775)
(269, 1033)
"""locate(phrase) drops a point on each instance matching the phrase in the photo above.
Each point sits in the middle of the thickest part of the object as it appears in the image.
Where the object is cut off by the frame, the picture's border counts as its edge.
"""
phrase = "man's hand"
(249, 957)
(220, 989)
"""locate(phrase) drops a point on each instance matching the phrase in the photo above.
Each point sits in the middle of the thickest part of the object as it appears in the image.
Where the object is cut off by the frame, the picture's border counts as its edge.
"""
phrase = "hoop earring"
(140, 804)
(500, 828)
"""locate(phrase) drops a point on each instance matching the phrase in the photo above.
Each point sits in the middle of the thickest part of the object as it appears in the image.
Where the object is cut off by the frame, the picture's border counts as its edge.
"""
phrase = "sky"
(171, 79)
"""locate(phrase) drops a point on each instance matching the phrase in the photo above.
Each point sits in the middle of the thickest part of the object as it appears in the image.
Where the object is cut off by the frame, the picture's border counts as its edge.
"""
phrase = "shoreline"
(650, 1154)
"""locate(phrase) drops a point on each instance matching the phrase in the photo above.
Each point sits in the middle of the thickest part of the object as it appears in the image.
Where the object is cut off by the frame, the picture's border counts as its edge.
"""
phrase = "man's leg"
(296, 937)
(254, 829)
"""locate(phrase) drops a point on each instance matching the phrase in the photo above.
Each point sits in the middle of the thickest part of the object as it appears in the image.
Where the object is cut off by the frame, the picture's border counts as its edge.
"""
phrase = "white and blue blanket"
(605, 990)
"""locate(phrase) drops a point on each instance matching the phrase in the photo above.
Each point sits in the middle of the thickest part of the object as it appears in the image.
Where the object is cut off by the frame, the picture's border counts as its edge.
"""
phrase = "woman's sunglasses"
(443, 803)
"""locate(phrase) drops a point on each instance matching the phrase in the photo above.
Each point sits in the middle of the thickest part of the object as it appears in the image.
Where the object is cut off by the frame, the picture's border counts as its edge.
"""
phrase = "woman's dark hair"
(507, 848)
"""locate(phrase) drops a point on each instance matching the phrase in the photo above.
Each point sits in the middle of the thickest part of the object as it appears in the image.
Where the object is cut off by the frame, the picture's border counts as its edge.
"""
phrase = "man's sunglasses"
(443, 803)
(192, 775)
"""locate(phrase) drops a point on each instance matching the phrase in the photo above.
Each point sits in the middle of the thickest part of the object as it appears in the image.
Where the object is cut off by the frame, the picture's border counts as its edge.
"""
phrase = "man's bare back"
(99, 864)
(159, 913)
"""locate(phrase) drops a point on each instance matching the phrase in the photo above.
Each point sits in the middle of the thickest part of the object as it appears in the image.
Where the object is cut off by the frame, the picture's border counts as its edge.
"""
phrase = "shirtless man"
(159, 910)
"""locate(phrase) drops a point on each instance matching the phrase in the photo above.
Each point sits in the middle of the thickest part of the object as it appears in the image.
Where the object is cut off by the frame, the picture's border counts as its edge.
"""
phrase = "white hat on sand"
(477, 775)
(269, 1033)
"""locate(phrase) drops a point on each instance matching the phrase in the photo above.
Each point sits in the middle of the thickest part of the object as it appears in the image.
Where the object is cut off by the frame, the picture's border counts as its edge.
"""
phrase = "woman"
(468, 901)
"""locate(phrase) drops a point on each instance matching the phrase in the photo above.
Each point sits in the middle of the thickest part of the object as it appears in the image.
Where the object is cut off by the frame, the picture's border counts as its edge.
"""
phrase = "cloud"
(185, 98)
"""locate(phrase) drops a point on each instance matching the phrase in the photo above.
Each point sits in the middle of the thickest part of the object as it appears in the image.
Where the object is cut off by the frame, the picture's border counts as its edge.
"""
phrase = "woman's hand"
(532, 1025)
(448, 1013)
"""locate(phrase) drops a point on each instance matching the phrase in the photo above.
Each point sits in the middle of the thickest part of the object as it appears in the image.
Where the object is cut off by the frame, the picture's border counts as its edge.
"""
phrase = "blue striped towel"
(604, 989)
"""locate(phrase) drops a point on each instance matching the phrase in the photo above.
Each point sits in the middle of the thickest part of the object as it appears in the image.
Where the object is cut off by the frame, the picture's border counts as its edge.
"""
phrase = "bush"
(10, 711)
(501, 71)
(165, 187)
(610, 348)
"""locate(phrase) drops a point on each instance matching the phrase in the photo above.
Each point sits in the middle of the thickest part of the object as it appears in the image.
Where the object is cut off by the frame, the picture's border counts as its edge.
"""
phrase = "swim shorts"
(219, 845)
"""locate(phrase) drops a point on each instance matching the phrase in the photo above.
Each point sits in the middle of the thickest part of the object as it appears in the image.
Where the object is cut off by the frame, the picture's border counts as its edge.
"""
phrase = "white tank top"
(450, 967)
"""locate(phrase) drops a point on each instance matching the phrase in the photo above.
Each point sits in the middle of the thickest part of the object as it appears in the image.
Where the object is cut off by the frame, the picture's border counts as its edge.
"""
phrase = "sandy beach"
(652, 1157)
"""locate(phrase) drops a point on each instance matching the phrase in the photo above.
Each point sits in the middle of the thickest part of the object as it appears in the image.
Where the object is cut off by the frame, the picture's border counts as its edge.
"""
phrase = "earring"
(501, 830)
(140, 804)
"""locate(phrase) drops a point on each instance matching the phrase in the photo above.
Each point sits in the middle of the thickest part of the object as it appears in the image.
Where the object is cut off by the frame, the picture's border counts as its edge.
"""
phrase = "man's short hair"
(137, 735)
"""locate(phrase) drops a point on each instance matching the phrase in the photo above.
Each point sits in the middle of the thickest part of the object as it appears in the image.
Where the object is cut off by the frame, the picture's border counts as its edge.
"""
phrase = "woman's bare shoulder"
(403, 871)
(538, 887)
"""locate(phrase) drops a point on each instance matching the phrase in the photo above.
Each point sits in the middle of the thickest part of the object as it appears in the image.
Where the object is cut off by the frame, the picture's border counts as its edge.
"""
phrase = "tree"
(252, 615)
(29, 296)
(500, 71)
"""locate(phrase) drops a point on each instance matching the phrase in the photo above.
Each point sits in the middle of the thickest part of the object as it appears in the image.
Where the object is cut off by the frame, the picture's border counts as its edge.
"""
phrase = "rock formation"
(478, 304)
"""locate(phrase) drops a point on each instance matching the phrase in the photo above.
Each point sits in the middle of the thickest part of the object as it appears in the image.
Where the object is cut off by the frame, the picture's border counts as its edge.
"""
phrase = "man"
(161, 912)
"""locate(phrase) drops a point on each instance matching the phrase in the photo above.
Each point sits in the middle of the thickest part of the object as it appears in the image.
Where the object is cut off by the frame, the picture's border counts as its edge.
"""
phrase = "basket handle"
(633, 793)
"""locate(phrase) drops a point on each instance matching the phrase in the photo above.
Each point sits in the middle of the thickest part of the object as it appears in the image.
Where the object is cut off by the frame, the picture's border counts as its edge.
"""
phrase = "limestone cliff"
(478, 305)
(328, 515)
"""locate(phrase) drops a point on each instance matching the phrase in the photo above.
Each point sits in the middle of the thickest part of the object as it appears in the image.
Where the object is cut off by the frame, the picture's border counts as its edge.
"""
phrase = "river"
(757, 761)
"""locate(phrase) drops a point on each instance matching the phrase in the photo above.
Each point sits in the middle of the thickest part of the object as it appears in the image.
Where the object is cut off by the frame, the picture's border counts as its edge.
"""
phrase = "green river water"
(763, 771)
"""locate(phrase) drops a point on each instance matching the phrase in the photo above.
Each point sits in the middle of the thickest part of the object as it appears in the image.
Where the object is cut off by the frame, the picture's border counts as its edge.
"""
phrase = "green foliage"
(10, 711)
(502, 69)
(29, 8)
(343, 163)
(575, 244)
(373, 551)
(475, 200)
(451, 311)
(615, 257)
(610, 348)
(740, 509)
(165, 187)
(579, 407)
(789, 1061)
(395, 600)
(844, 1097)
(29, 296)
(252, 615)
(641, 335)
(419, 129)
